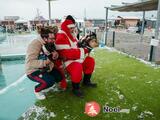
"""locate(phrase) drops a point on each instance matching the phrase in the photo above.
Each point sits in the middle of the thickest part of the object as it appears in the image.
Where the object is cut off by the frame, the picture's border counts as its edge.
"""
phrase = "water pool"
(16, 90)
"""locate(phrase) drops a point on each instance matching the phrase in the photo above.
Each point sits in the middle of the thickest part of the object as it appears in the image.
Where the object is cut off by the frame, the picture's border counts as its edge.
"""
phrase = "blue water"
(6, 72)
(17, 98)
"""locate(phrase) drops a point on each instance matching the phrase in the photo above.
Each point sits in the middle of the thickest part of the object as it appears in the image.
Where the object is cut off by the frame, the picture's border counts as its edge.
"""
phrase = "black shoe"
(87, 81)
(76, 90)
(78, 93)
(89, 84)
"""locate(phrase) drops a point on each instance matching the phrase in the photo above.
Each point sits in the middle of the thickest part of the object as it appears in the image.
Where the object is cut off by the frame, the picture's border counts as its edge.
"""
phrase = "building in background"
(11, 18)
(126, 22)
(151, 23)
(21, 25)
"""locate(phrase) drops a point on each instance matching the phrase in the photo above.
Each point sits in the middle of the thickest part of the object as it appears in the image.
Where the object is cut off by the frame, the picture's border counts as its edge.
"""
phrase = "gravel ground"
(131, 43)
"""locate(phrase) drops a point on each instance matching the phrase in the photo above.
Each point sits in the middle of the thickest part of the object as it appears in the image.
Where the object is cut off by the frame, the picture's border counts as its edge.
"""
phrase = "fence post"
(151, 53)
(113, 43)
(154, 43)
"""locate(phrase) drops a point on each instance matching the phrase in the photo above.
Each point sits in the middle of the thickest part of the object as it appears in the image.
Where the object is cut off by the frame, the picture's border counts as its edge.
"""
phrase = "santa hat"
(69, 23)
(66, 25)
(69, 17)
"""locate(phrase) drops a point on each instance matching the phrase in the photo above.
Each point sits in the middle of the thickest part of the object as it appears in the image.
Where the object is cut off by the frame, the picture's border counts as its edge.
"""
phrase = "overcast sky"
(94, 8)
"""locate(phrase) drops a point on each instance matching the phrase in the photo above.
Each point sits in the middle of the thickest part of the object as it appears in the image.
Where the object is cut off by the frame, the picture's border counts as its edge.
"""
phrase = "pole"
(85, 18)
(143, 26)
(113, 39)
(156, 33)
(158, 21)
(49, 11)
(106, 25)
(151, 51)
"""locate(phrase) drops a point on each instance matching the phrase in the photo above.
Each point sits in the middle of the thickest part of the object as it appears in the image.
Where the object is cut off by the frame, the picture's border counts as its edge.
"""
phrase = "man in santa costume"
(76, 60)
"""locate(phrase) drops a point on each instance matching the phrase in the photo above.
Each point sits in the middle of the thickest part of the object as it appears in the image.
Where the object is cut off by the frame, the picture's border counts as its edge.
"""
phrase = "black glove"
(85, 44)
(82, 44)
(48, 48)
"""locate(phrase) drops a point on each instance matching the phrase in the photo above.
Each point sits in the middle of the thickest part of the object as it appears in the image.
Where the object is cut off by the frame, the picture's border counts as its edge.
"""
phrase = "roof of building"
(41, 18)
(131, 18)
(137, 6)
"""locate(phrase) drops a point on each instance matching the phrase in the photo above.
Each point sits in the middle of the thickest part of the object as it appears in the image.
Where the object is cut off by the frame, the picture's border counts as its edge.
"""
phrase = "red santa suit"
(74, 58)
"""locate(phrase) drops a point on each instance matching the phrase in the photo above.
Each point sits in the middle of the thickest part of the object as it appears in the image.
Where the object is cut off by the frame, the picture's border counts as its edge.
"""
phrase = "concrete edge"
(11, 57)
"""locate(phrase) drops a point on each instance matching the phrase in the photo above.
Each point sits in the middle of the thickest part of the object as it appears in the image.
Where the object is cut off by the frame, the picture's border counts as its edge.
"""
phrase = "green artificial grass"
(116, 75)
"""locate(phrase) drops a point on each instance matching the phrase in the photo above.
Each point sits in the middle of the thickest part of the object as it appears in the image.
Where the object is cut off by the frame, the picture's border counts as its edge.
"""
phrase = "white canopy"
(21, 21)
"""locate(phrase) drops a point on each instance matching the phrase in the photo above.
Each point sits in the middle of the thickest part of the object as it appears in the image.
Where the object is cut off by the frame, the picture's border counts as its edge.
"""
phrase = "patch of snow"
(141, 116)
(134, 108)
(145, 114)
(149, 82)
(39, 111)
(133, 77)
(117, 92)
(66, 117)
(148, 113)
(121, 97)
(52, 114)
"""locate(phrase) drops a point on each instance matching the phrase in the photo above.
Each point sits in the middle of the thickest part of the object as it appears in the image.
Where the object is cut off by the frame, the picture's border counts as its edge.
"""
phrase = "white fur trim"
(61, 31)
(60, 47)
(71, 61)
(71, 26)
(82, 53)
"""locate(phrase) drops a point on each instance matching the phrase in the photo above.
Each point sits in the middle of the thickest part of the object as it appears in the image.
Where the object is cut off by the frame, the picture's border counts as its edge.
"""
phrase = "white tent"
(21, 21)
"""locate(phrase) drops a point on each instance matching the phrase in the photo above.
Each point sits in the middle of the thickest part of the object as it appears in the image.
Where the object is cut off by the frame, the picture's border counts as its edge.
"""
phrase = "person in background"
(39, 63)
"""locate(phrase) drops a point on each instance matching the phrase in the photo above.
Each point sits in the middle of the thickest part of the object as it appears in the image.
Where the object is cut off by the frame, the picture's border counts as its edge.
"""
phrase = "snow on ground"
(145, 114)
(120, 96)
(133, 77)
(37, 112)
(135, 107)
(66, 117)
(148, 82)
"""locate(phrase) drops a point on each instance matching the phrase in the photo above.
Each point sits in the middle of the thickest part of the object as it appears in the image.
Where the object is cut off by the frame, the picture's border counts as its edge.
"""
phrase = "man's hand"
(49, 50)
